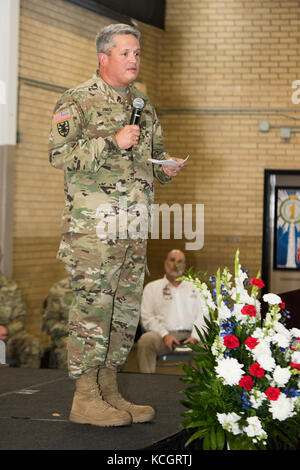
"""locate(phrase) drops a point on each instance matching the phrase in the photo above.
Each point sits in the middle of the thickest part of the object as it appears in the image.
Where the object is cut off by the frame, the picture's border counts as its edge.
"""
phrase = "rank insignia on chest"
(63, 128)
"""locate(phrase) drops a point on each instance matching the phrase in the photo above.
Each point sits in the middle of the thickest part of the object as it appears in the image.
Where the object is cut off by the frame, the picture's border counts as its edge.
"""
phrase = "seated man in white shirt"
(169, 311)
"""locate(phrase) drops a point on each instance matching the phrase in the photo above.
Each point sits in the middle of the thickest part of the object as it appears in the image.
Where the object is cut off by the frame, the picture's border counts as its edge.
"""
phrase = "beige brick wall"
(229, 53)
(228, 65)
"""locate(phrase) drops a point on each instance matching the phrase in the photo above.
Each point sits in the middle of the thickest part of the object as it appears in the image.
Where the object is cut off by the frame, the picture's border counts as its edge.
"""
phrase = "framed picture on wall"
(287, 228)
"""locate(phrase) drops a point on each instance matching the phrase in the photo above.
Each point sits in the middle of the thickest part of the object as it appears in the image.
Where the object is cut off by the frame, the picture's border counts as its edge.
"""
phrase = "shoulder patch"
(62, 115)
(63, 128)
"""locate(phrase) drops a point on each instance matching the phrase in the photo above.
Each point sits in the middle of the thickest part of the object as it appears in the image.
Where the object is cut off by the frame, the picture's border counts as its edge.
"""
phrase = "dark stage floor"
(35, 405)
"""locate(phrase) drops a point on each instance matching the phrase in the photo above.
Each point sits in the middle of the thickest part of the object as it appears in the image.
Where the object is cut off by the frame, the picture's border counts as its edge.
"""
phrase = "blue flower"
(292, 392)
(224, 289)
(245, 400)
(228, 326)
(227, 354)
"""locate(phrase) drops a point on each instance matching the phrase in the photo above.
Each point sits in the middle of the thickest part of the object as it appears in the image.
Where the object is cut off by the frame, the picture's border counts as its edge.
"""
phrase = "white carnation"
(296, 357)
(281, 375)
(266, 361)
(282, 408)
(230, 370)
(262, 349)
(272, 299)
(229, 422)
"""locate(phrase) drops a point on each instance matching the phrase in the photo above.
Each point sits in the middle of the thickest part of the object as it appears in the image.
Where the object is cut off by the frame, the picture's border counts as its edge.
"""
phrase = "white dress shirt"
(168, 308)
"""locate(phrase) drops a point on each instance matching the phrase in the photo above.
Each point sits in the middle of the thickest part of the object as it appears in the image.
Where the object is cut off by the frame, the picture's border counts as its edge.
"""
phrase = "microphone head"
(138, 103)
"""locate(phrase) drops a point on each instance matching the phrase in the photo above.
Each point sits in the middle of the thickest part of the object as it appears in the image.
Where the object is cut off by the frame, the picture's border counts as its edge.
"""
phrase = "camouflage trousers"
(107, 277)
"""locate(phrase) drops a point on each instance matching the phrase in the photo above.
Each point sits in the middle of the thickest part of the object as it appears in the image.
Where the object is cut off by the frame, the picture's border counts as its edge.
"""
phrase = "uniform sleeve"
(150, 318)
(202, 312)
(158, 152)
(69, 149)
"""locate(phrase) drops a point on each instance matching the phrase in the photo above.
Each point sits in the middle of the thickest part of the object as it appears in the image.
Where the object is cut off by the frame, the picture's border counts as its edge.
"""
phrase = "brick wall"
(227, 65)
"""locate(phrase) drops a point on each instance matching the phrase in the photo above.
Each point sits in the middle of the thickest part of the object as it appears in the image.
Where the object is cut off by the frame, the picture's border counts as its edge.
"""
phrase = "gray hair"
(105, 38)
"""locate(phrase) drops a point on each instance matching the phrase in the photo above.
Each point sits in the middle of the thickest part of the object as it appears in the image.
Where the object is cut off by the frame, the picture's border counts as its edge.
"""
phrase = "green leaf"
(196, 435)
(239, 442)
(220, 436)
(213, 440)
(206, 442)
(194, 347)
(236, 263)
(196, 424)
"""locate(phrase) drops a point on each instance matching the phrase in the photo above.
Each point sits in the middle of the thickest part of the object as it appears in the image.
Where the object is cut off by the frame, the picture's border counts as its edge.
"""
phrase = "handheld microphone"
(138, 105)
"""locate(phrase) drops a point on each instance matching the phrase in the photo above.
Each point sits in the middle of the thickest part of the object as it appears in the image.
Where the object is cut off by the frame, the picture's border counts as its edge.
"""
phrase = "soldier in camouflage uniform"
(22, 348)
(55, 320)
(105, 161)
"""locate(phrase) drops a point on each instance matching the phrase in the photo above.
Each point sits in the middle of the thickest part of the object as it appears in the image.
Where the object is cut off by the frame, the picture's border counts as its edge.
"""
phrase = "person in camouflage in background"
(105, 160)
(22, 348)
(55, 320)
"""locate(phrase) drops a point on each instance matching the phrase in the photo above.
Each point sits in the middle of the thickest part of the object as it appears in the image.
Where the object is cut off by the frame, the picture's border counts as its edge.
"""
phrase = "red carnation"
(249, 310)
(246, 382)
(282, 305)
(272, 393)
(257, 282)
(251, 342)
(295, 365)
(257, 370)
(231, 342)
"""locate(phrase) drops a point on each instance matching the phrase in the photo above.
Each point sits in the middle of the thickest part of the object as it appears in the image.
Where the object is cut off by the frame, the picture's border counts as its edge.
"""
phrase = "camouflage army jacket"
(12, 306)
(97, 172)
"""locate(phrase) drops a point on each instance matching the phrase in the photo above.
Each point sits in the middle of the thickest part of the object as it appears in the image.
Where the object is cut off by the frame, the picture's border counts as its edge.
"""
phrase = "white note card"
(168, 162)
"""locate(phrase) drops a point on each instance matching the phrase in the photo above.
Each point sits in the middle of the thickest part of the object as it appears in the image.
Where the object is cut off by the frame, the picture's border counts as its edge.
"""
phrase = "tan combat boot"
(89, 408)
(107, 379)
